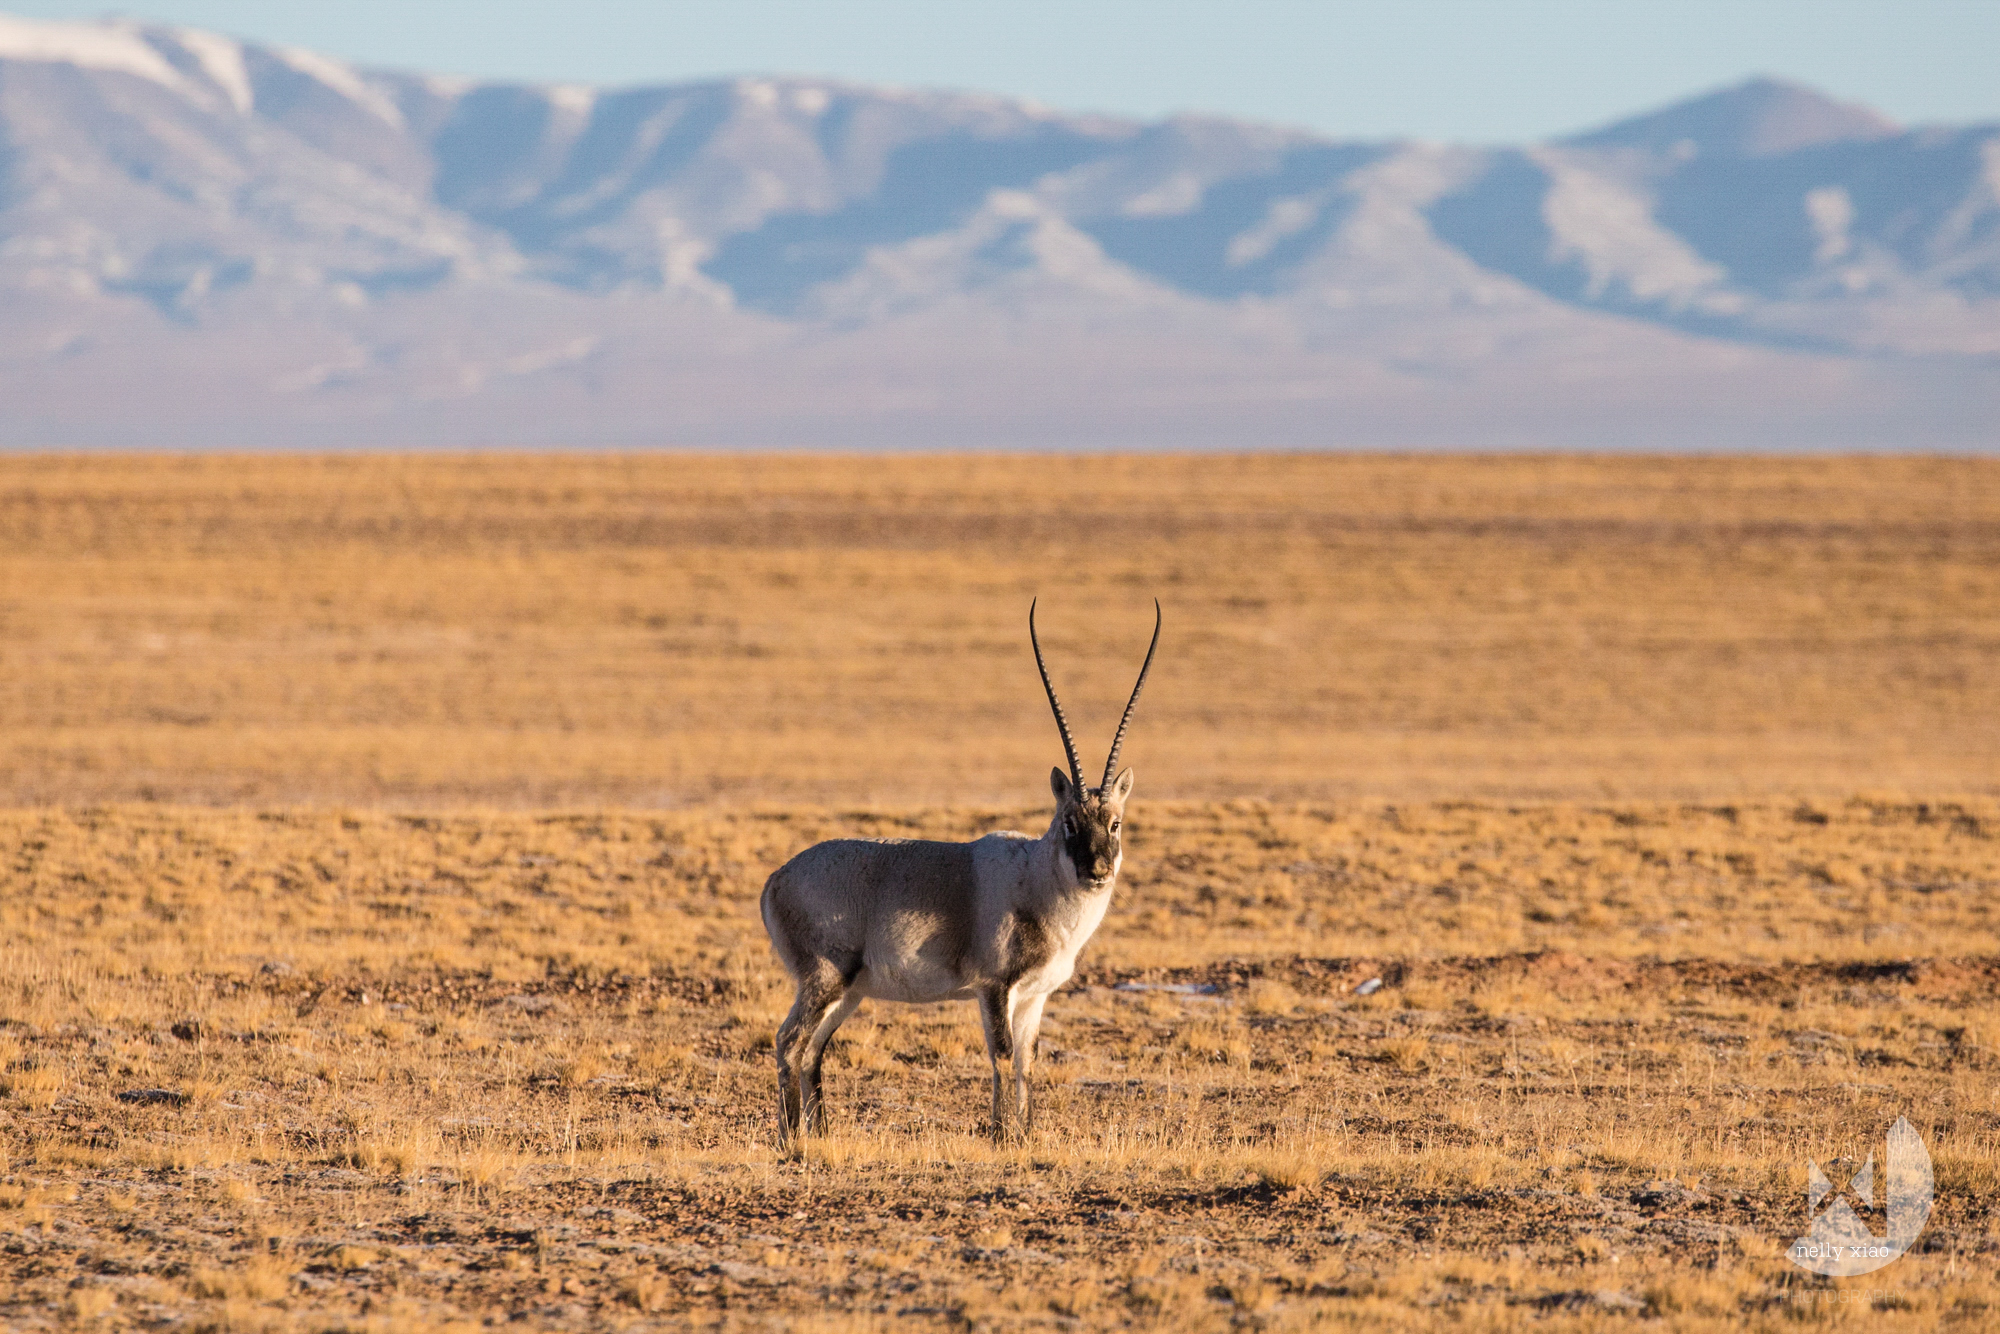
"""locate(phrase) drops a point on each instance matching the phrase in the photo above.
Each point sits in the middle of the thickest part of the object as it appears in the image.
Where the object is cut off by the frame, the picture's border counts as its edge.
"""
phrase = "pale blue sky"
(1470, 70)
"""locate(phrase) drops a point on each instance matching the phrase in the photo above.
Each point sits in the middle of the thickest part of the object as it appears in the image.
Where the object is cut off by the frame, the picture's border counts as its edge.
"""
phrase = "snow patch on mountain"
(117, 47)
(221, 59)
(574, 99)
(1610, 231)
(344, 80)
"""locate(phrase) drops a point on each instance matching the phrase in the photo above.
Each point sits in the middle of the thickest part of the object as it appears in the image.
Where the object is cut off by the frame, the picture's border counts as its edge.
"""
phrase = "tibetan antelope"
(999, 920)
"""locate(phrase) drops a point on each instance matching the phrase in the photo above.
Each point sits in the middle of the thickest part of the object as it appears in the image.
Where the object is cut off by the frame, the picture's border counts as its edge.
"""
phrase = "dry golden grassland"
(419, 1070)
(387, 832)
(654, 630)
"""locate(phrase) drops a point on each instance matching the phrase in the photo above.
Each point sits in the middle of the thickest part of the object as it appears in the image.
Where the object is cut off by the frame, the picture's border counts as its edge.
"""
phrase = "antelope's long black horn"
(1062, 723)
(1111, 764)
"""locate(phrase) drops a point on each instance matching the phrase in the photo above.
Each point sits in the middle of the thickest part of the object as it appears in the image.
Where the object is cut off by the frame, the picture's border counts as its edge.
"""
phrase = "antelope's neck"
(1056, 885)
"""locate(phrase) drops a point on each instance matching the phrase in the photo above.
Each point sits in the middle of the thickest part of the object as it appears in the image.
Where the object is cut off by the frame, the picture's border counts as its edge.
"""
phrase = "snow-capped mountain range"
(206, 241)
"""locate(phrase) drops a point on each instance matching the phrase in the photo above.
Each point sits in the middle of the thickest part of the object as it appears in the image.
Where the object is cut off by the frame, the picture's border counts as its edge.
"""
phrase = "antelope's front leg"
(995, 1005)
(1027, 1027)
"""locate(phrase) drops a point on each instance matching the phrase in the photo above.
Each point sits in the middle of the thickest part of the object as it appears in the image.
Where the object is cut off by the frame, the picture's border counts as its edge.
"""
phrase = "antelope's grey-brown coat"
(999, 920)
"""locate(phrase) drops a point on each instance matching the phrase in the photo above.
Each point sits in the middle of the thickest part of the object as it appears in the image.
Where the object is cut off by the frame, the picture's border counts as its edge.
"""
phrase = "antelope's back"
(830, 899)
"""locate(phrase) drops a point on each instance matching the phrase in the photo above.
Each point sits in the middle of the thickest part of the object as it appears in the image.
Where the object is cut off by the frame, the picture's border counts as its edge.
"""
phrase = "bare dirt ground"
(381, 838)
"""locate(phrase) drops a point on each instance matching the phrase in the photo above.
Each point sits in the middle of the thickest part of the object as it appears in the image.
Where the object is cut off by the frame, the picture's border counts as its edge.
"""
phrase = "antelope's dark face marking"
(1090, 838)
(1091, 826)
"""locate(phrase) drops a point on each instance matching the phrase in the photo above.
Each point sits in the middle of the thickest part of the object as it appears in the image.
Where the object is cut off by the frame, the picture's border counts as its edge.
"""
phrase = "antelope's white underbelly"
(912, 982)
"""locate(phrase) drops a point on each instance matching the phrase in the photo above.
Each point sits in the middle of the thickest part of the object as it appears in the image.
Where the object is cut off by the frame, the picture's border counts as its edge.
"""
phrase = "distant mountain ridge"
(1760, 118)
(204, 240)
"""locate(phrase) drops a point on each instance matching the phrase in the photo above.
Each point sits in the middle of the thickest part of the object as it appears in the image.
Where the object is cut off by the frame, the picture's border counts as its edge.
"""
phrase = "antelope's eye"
(1069, 827)
(1115, 824)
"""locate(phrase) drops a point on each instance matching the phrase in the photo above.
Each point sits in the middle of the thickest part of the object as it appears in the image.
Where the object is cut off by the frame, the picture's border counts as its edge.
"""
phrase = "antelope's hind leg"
(822, 996)
(809, 1077)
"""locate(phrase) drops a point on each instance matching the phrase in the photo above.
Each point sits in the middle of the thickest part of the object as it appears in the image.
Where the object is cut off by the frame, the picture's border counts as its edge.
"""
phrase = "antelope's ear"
(1059, 784)
(1121, 786)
